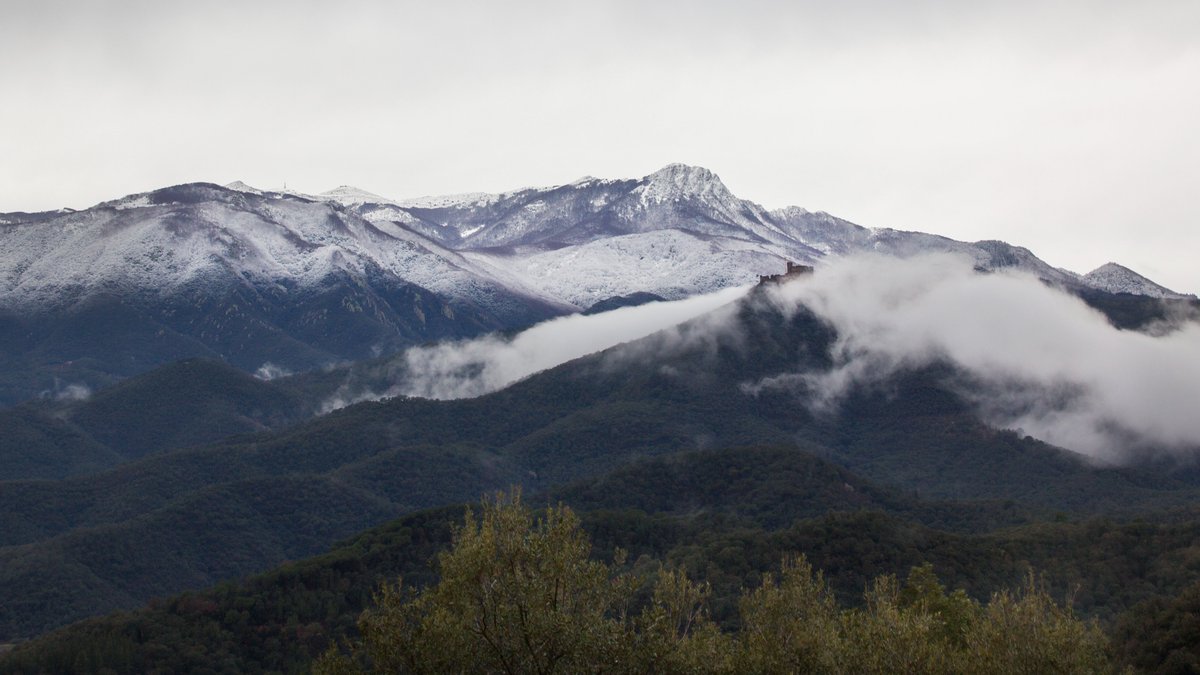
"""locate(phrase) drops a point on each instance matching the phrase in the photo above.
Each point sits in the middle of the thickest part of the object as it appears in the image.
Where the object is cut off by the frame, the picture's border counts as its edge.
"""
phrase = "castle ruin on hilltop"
(794, 271)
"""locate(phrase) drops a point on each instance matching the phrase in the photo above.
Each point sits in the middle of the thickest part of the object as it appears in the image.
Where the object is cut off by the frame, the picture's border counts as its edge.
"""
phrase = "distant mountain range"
(289, 282)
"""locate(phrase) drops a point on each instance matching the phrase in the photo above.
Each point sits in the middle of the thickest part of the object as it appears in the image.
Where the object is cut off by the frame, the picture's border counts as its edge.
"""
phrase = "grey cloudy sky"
(1067, 127)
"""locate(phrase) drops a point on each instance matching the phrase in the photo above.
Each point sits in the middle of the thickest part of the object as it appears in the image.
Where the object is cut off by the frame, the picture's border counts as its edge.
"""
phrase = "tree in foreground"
(519, 594)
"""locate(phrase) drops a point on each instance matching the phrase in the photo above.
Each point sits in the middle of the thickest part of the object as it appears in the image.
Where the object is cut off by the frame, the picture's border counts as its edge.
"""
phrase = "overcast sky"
(1067, 127)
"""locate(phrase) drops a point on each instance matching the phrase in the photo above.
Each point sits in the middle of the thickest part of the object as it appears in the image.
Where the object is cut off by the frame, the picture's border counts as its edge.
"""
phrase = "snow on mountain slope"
(677, 182)
(821, 231)
(1115, 278)
(239, 186)
(348, 195)
(676, 197)
(159, 247)
(466, 200)
(670, 263)
(158, 242)
(675, 232)
(535, 234)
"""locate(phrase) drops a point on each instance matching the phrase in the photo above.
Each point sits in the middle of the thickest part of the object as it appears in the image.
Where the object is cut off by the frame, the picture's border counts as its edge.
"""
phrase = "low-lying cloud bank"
(1034, 358)
(476, 367)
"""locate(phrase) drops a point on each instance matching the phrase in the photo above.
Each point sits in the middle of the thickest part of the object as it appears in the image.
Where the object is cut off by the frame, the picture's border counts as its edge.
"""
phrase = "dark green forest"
(196, 519)
(1126, 575)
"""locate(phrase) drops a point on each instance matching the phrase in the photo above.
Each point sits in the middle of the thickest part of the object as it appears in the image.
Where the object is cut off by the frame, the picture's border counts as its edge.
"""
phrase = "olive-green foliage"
(1029, 633)
(514, 596)
(790, 623)
(794, 625)
(519, 594)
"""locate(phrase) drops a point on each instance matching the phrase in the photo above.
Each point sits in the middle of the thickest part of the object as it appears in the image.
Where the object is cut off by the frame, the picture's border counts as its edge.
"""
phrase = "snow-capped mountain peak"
(790, 212)
(348, 195)
(675, 182)
(1116, 278)
(239, 186)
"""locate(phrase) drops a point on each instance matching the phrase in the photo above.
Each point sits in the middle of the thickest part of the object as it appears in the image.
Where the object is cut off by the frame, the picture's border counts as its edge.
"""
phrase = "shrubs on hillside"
(519, 594)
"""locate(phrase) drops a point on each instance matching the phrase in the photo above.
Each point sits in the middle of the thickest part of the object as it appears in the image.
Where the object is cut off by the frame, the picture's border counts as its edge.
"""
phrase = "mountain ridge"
(283, 279)
(674, 183)
(681, 182)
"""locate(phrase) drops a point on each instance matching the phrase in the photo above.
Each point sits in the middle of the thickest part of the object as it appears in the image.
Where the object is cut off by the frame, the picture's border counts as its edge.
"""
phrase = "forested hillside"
(283, 619)
(197, 474)
(188, 518)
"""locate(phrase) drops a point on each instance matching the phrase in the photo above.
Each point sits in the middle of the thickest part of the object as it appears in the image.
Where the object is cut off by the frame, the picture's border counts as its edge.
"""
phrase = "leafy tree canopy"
(519, 593)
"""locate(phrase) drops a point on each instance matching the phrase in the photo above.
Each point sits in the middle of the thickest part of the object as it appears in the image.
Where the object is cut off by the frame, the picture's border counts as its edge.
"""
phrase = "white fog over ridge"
(476, 367)
(469, 368)
(1034, 359)
(1038, 360)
